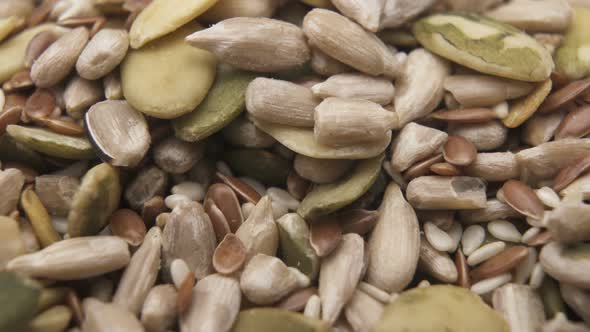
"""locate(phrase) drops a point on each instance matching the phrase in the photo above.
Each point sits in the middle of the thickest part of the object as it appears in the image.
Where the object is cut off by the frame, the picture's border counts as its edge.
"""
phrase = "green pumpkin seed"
(302, 141)
(18, 301)
(261, 165)
(50, 143)
(328, 198)
(296, 249)
(168, 78)
(96, 199)
(12, 51)
(485, 45)
(55, 319)
(573, 57)
(11, 150)
(223, 104)
(273, 319)
(440, 308)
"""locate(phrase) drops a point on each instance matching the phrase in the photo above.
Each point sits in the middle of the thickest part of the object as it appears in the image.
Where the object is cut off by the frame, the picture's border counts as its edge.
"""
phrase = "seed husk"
(262, 165)
(564, 95)
(39, 218)
(446, 306)
(524, 108)
(485, 45)
(97, 197)
(19, 298)
(459, 151)
(328, 198)
(52, 144)
(302, 141)
(74, 259)
(118, 132)
(224, 102)
(569, 59)
(189, 71)
(230, 255)
(295, 245)
(273, 319)
(252, 43)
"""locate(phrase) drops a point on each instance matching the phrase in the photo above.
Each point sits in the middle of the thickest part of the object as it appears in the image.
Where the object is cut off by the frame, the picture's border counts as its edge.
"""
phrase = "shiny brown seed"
(466, 115)
(230, 255)
(501, 263)
(128, 225)
(40, 13)
(297, 300)
(463, 278)
(218, 220)
(19, 81)
(37, 45)
(14, 100)
(575, 124)
(297, 186)
(459, 151)
(540, 239)
(561, 97)
(9, 117)
(185, 293)
(80, 21)
(242, 189)
(445, 169)
(422, 168)
(225, 198)
(40, 104)
(63, 127)
(325, 235)
(570, 173)
(152, 208)
(73, 302)
(357, 221)
(523, 199)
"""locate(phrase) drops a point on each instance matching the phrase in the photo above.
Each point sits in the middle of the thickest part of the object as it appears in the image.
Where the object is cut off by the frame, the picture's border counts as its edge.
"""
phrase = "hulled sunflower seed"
(339, 275)
(547, 16)
(116, 318)
(158, 313)
(11, 242)
(12, 180)
(256, 44)
(433, 192)
(56, 192)
(215, 305)
(81, 94)
(436, 263)
(569, 57)
(485, 136)
(148, 183)
(493, 210)
(577, 299)
(437, 238)
(175, 156)
(103, 53)
(485, 252)
(365, 13)
(189, 235)
(504, 230)
(259, 232)
(396, 13)
(484, 91)
(323, 64)
(545, 160)
(521, 306)
(494, 166)
(414, 143)
(141, 273)
(76, 258)
(356, 86)
(362, 311)
(568, 222)
(333, 34)
(281, 102)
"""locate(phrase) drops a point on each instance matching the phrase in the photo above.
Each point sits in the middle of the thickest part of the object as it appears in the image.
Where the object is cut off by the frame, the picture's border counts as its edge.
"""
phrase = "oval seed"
(466, 115)
(523, 199)
(500, 263)
(445, 169)
(127, 224)
(575, 124)
(459, 151)
(463, 278)
(40, 104)
(504, 230)
(8, 117)
(564, 95)
(63, 127)
(487, 285)
(230, 255)
(438, 238)
(486, 252)
(38, 44)
(185, 293)
(325, 236)
(570, 173)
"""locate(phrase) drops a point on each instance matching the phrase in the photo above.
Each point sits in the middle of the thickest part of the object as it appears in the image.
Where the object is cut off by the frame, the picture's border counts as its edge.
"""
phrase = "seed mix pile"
(294, 165)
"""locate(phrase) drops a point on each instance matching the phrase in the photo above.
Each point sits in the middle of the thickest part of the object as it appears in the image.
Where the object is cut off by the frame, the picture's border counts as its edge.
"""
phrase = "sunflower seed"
(521, 306)
(414, 143)
(460, 192)
(436, 263)
(500, 263)
(487, 285)
(537, 276)
(566, 264)
(504, 230)
(356, 86)
(485, 252)
(483, 90)
(362, 311)
(485, 136)
(549, 16)
(103, 53)
(12, 180)
(118, 318)
(259, 232)
(158, 313)
(568, 222)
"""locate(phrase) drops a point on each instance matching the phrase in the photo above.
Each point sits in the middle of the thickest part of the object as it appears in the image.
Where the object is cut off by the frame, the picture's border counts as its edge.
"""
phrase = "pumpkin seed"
(261, 165)
(443, 308)
(572, 58)
(296, 250)
(50, 143)
(18, 300)
(189, 73)
(224, 102)
(274, 319)
(12, 51)
(11, 150)
(328, 198)
(485, 45)
(162, 17)
(302, 141)
(97, 197)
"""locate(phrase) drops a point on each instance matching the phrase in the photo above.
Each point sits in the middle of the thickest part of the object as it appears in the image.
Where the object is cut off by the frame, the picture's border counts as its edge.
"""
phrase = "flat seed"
(218, 219)
(63, 127)
(540, 239)
(39, 218)
(259, 232)
(463, 278)
(445, 169)
(523, 199)
(448, 193)
(225, 198)
(325, 236)
(485, 252)
(438, 238)
(39, 43)
(568, 174)
(537, 276)
(128, 225)
(242, 189)
(230, 255)
(357, 221)
(487, 285)
(185, 293)
(564, 95)
(422, 168)
(298, 299)
(8, 117)
(504, 230)
(575, 124)
(19, 81)
(22, 295)
(50, 143)
(159, 309)
(466, 115)
(40, 104)
(296, 248)
(548, 196)
(436, 263)
(414, 143)
(500, 263)
(525, 107)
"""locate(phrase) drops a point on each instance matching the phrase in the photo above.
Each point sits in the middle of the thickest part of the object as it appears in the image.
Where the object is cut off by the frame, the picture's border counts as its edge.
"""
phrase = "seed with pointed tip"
(523, 199)
(325, 236)
(466, 115)
(564, 95)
